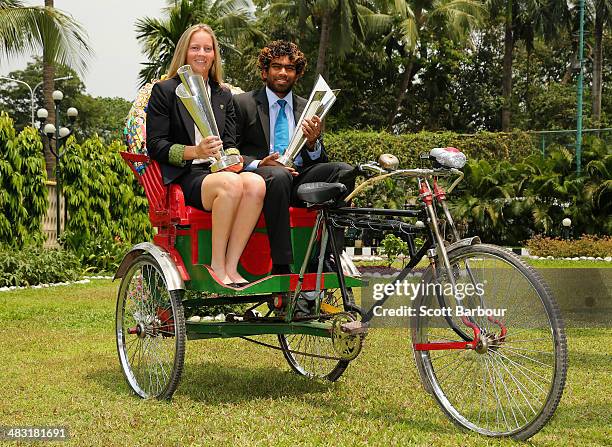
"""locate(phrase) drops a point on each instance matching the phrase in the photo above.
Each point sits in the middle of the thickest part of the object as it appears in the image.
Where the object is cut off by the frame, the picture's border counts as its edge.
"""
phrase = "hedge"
(357, 146)
(23, 193)
(106, 204)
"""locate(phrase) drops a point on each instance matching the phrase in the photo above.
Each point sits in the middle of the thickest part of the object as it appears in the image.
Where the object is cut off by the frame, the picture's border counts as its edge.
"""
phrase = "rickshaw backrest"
(166, 203)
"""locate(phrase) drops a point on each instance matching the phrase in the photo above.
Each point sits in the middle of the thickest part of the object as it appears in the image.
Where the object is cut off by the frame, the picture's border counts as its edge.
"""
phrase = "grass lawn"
(538, 263)
(59, 367)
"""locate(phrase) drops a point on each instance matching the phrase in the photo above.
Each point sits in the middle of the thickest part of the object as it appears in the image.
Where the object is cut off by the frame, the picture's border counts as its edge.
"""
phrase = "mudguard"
(167, 265)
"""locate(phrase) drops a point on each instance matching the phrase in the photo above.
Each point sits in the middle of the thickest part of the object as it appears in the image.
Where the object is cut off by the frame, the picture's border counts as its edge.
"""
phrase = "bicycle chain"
(267, 345)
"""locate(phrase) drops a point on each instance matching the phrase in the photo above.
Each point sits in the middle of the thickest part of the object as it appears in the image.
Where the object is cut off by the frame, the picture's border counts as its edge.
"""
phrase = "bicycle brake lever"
(372, 166)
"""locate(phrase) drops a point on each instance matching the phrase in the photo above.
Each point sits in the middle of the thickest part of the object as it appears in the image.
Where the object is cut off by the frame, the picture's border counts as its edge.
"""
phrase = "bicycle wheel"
(511, 384)
(150, 330)
(310, 366)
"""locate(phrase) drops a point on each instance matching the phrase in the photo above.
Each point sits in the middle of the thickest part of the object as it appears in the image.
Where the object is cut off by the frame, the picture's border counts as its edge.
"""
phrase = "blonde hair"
(180, 53)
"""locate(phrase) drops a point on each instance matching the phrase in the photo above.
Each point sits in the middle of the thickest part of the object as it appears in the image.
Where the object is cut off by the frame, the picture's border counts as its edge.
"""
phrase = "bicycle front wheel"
(511, 384)
(150, 330)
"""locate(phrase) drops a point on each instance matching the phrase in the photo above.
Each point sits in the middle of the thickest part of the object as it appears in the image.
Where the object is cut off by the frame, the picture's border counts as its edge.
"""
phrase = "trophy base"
(225, 162)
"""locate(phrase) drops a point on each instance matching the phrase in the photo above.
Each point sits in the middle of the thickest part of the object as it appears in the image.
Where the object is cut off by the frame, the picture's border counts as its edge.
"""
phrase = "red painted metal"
(167, 209)
(302, 217)
(425, 194)
(504, 330)
(310, 282)
(255, 258)
(439, 192)
(439, 346)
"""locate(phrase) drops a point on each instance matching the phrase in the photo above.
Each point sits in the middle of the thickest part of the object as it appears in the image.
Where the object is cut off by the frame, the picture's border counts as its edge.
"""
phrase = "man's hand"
(312, 131)
(271, 160)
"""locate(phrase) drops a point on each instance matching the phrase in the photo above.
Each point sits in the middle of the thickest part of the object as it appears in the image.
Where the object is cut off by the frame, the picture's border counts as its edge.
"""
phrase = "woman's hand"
(209, 147)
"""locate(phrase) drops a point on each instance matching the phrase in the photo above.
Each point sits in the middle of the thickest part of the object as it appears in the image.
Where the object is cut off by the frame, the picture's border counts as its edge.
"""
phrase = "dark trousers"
(281, 188)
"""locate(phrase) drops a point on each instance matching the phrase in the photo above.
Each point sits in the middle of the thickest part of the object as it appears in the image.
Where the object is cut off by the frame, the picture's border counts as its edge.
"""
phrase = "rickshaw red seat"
(167, 203)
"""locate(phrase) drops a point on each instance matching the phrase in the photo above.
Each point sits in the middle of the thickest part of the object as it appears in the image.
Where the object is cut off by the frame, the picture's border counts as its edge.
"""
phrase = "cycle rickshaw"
(498, 376)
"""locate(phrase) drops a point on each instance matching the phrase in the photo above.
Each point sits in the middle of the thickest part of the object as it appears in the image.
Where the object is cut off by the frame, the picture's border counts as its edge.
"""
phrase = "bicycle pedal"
(354, 327)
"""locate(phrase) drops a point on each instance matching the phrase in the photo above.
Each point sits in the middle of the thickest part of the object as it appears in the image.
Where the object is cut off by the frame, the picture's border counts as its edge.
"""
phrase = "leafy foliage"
(104, 200)
(98, 253)
(393, 246)
(587, 245)
(23, 194)
(34, 265)
(509, 203)
(26, 28)
(357, 147)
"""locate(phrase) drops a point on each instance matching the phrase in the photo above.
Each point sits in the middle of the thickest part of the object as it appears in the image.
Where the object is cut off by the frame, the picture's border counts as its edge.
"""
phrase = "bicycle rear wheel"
(308, 365)
(511, 384)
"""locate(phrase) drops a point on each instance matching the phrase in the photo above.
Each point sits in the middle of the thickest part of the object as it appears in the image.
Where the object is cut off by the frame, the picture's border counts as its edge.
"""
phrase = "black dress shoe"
(305, 305)
(280, 269)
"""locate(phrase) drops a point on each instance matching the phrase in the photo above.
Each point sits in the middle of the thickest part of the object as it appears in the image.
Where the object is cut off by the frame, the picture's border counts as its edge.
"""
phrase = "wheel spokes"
(149, 352)
(513, 377)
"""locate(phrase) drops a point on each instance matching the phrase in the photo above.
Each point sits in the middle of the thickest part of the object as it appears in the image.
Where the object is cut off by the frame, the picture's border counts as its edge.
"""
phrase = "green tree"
(63, 40)
(29, 28)
(602, 18)
(232, 20)
(337, 21)
(523, 20)
(414, 24)
(102, 116)
(23, 194)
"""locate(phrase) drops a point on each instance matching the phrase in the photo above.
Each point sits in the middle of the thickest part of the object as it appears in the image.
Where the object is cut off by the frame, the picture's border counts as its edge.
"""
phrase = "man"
(266, 118)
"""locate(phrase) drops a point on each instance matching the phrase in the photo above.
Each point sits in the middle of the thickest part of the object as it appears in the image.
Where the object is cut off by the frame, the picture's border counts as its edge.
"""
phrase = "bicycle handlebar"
(383, 173)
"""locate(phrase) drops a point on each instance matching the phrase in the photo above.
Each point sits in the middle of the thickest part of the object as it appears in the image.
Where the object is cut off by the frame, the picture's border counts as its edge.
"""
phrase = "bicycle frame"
(434, 246)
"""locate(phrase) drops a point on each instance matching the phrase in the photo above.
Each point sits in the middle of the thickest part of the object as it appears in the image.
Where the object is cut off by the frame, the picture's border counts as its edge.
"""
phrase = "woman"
(235, 199)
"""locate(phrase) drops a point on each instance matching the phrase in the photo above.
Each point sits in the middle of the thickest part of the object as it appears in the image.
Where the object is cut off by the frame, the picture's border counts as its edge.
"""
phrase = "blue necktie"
(281, 129)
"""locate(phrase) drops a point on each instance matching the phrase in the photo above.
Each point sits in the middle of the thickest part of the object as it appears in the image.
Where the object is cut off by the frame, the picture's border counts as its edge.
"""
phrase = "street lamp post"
(31, 94)
(59, 134)
(566, 223)
(33, 91)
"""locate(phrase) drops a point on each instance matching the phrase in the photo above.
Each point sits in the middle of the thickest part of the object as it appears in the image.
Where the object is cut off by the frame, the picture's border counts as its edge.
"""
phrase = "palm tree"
(28, 28)
(340, 21)
(232, 20)
(524, 20)
(409, 23)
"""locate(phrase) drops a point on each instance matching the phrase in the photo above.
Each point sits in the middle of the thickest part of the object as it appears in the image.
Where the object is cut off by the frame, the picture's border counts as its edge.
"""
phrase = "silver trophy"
(194, 95)
(320, 101)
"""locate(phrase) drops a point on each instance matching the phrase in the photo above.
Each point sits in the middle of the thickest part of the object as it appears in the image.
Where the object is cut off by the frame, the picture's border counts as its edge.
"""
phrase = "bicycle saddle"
(447, 157)
(318, 193)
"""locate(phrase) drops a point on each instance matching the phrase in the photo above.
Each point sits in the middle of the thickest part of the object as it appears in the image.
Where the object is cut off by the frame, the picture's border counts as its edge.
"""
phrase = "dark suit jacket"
(168, 123)
(253, 126)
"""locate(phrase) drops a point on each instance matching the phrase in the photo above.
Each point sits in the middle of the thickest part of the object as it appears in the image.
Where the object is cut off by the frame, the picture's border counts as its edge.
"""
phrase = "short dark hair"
(280, 48)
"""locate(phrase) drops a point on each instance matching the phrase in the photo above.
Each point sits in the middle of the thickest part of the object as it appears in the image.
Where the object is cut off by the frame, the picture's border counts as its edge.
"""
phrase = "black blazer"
(253, 126)
(168, 123)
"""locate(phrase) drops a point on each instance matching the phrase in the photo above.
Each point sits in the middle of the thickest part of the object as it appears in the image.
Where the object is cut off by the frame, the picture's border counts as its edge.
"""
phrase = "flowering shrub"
(587, 245)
